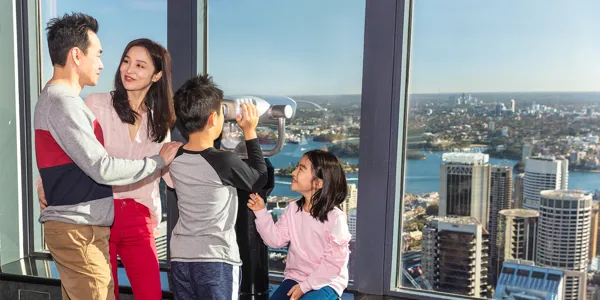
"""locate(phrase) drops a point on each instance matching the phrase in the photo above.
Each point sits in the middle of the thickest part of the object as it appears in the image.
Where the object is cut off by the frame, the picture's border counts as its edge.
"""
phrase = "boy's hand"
(256, 202)
(248, 120)
(169, 150)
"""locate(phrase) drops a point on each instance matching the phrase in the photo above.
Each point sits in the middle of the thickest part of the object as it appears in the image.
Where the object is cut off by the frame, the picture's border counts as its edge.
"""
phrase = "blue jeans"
(325, 293)
(205, 280)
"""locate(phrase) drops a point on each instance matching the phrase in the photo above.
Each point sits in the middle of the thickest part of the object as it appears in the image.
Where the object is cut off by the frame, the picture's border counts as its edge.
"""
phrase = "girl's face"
(303, 180)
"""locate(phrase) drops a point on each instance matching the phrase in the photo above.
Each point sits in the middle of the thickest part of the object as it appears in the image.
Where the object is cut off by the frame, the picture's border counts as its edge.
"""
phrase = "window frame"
(386, 59)
(387, 46)
(187, 41)
(27, 12)
(380, 93)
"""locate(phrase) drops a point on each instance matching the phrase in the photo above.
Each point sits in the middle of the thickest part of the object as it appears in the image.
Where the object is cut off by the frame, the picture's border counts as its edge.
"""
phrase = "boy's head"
(199, 106)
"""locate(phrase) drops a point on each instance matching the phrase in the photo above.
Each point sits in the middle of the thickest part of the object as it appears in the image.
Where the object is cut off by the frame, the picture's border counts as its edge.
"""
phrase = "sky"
(315, 47)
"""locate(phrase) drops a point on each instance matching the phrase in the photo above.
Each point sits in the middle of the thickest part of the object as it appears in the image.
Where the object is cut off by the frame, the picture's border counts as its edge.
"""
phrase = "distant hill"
(330, 99)
(544, 98)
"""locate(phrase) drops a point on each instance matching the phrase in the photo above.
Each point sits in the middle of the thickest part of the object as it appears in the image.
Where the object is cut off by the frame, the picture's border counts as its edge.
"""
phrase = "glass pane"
(501, 106)
(313, 56)
(9, 149)
(119, 23)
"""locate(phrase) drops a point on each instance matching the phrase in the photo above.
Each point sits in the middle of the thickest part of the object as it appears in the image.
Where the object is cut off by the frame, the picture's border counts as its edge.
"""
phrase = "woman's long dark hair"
(327, 167)
(158, 100)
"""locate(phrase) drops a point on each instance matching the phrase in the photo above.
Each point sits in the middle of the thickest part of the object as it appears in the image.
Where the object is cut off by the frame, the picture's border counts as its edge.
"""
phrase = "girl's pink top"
(318, 252)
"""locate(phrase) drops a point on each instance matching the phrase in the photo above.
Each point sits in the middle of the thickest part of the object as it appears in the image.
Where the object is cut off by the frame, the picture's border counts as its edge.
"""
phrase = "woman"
(135, 119)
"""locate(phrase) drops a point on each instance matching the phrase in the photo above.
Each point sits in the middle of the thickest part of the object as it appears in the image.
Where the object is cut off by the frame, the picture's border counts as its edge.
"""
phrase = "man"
(75, 169)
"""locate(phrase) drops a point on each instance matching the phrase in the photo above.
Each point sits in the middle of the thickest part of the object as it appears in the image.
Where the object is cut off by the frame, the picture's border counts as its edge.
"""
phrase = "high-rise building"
(574, 157)
(522, 279)
(352, 223)
(500, 199)
(517, 231)
(512, 105)
(465, 186)
(429, 251)
(518, 193)
(543, 173)
(526, 151)
(492, 126)
(351, 199)
(276, 213)
(594, 230)
(455, 255)
(160, 239)
(564, 235)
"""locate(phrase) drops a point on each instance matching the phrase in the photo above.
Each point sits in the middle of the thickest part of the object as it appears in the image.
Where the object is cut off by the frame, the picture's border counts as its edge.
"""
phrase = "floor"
(349, 296)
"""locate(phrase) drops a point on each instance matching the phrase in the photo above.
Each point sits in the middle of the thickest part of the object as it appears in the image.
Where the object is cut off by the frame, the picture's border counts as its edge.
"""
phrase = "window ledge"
(36, 270)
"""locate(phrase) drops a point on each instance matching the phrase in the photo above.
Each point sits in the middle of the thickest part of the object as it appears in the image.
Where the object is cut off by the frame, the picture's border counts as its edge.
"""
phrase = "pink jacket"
(318, 253)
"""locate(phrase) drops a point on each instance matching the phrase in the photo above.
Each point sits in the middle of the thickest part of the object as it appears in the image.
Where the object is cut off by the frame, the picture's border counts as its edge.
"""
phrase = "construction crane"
(414, 283)
(425, 280)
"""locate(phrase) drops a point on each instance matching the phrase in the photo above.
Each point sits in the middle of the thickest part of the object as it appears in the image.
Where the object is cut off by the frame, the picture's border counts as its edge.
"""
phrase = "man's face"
(90, 63)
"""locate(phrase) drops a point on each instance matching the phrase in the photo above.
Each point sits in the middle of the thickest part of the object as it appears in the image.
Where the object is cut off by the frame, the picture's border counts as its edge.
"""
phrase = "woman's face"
(137, 69)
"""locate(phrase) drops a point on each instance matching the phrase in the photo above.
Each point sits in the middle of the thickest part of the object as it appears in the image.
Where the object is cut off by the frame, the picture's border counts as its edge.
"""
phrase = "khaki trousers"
(82, 259)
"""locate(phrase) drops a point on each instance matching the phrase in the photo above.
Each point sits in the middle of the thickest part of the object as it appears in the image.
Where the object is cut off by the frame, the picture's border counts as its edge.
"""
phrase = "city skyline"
(458, 46)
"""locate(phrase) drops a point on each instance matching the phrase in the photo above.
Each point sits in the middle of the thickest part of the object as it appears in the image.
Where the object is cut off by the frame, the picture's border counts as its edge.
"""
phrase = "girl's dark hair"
(158, 100)
(326, 167)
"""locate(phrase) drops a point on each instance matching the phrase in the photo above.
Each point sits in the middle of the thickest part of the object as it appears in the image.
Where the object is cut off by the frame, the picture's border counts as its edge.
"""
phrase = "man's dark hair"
(195, 100)
(67, 32)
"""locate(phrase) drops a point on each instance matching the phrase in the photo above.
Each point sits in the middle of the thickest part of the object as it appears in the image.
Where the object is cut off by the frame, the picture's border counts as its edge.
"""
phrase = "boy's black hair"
(327, 167)
(195, 100)
(67, 32)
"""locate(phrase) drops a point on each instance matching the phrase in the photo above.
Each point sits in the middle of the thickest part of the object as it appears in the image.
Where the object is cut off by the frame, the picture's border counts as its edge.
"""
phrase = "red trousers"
(132, 239)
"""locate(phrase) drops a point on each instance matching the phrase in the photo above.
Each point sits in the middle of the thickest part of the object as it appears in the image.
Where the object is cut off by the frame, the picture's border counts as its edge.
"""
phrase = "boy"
(205, 259)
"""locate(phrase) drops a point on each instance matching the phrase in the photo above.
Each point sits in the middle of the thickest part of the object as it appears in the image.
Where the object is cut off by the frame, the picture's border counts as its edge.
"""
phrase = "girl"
(136, 118)
(315, 228)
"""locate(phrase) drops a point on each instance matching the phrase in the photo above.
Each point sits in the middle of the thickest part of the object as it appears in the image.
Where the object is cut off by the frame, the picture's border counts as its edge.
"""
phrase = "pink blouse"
(119, 144)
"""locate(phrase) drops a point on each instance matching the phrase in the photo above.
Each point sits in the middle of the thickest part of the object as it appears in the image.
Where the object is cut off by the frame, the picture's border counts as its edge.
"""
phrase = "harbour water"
(422, 176)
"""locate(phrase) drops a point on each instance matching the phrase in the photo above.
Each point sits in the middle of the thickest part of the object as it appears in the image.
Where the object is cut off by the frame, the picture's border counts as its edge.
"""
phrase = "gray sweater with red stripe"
(75, 168)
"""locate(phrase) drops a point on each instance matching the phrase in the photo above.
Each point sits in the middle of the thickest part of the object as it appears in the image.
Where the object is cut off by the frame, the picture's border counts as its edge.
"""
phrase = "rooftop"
(466, 158)
(566, 194)
(520, 212)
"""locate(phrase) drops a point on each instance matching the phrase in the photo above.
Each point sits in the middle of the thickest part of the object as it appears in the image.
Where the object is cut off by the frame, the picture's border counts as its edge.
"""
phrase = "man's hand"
(169, 150)
(248, 120)
(295, 292)
(256, 202)
(42, 197)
